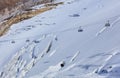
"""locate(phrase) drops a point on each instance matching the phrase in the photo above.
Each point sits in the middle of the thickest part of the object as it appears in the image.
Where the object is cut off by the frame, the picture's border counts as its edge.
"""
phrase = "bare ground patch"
(4, 27)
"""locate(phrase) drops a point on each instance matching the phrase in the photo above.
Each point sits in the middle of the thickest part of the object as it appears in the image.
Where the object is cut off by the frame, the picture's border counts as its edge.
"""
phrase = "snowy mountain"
(78, 39)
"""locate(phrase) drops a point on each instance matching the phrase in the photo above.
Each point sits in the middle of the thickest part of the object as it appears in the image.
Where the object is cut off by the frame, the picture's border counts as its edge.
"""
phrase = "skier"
(55, 37)
(62, 64)
(80, 29)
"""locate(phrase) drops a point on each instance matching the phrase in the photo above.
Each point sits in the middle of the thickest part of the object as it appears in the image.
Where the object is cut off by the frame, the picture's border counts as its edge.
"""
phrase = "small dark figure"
(110, 66)
(13, 41)
(104, 71)
(19, 58)
(27, 40)
(84, 8)
(107, 24)
(56, 38)
(18, 70)
(1, 74)
(62, 64)
(33, 56)
(35, 41)
(33, 64)
(80, 29)
(96, 71)
(76, 15)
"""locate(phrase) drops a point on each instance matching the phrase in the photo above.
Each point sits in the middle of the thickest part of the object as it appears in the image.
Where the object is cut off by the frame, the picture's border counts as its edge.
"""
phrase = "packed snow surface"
(69, 41)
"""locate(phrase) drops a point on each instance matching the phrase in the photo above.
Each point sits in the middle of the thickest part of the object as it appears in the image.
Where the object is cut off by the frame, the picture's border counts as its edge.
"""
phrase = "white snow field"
(69, 41)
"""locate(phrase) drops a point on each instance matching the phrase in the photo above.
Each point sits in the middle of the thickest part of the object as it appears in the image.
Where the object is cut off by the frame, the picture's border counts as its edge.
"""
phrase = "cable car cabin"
(80, 30)
(107, 24)
(36, 41)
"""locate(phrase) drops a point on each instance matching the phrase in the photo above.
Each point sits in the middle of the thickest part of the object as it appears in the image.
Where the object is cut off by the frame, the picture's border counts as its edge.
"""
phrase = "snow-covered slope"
(69, 41)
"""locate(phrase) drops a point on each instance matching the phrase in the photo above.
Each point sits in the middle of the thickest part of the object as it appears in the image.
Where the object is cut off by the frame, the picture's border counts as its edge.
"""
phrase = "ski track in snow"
(105, 28)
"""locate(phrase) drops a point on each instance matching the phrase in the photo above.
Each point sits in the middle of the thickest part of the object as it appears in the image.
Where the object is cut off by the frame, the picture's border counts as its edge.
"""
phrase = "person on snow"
(80, 29)
(62, 64)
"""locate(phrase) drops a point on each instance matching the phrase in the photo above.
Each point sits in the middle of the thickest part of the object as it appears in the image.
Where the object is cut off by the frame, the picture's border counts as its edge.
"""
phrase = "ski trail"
(101, 31)
(114, 22)
(75, 56)
(51, 71)
(114, 52)
(52, 53)
(19, 65)
(104, 28)
(69, 67)
(31, 64)
(71, 60)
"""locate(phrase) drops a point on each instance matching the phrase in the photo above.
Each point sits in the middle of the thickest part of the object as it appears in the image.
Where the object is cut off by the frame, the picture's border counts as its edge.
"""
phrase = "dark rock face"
(7, 3)
(11, 3)
(9, 8)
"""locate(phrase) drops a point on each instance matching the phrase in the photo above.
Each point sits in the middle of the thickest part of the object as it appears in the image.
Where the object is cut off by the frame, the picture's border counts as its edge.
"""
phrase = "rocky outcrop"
(10, 7)
(25, 15)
